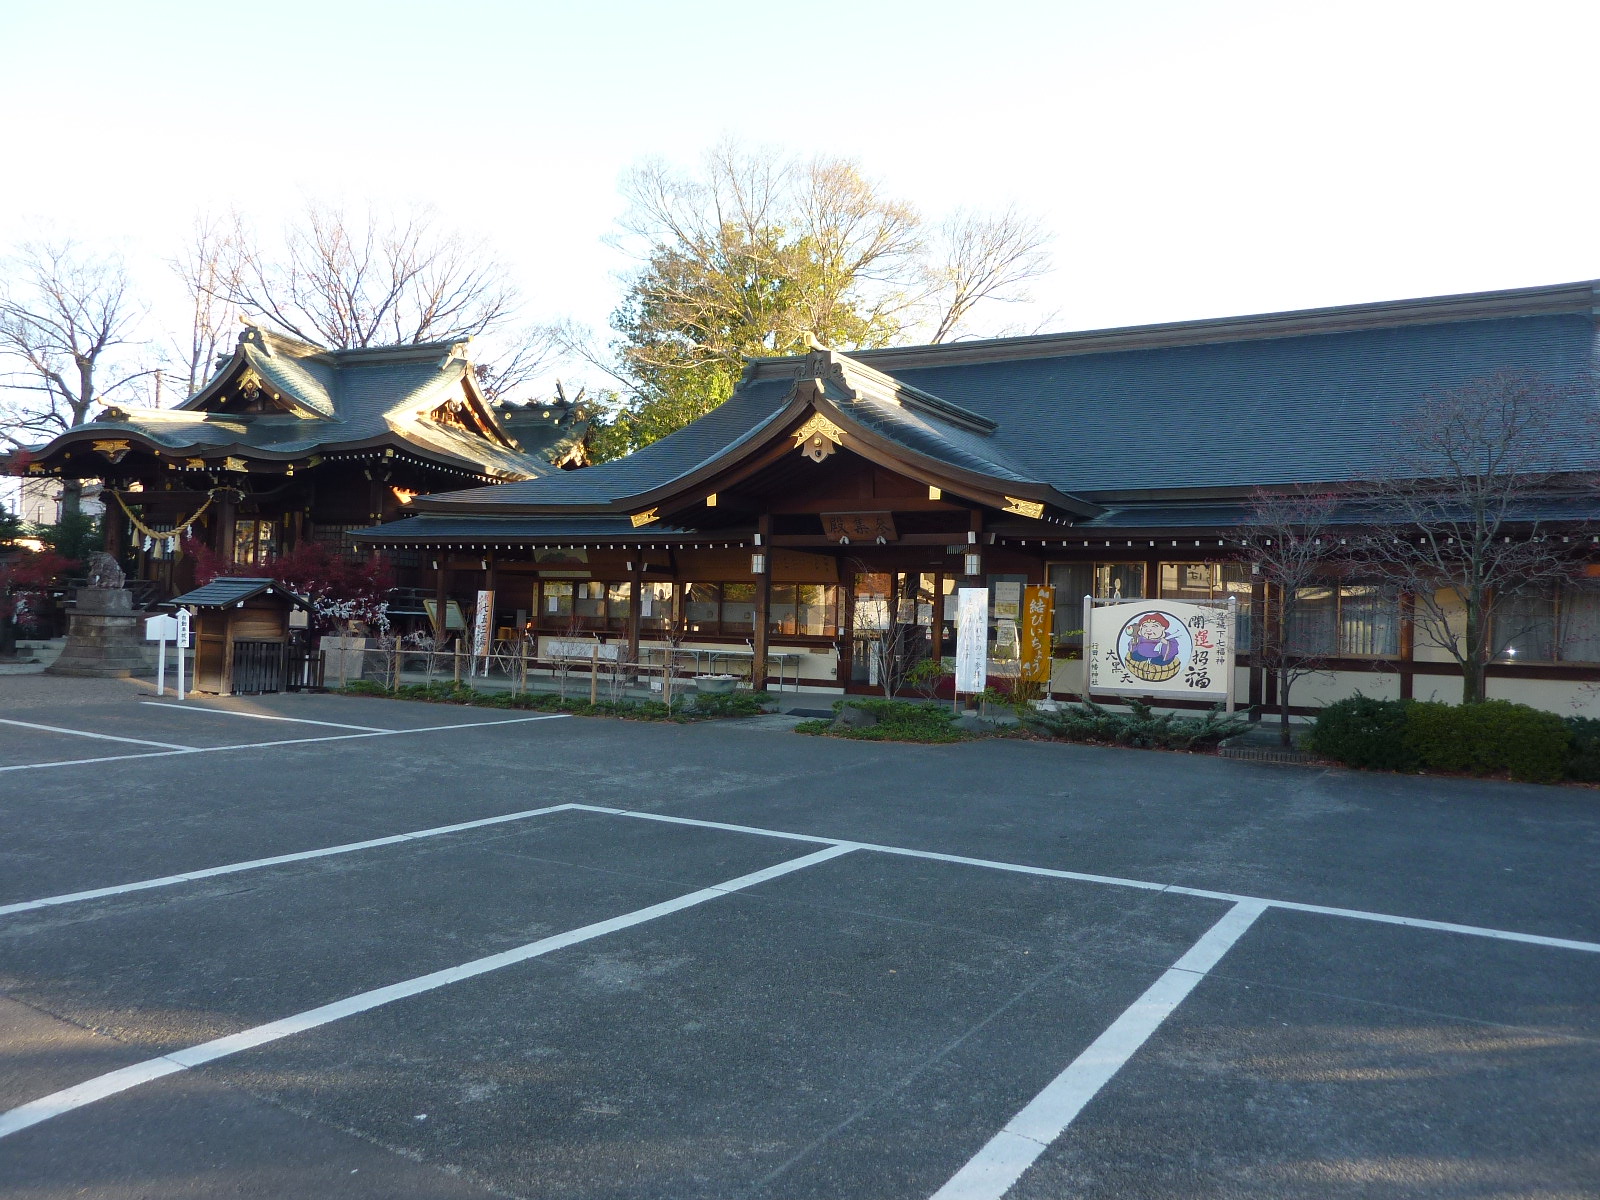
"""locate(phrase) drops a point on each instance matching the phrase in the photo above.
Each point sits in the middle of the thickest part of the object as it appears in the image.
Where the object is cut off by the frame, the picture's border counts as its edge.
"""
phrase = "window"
(589, 605)
(1346, 620)
(655, 606)
(804, 610)
(1558, 626)
(739, 608)
(619, 597)
(557, 608)
(1074, 581)
(702, 607)
(1197, 581)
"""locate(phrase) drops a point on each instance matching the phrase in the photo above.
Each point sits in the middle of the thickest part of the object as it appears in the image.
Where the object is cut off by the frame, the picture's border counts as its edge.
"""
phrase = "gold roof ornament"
(195, 464)
(1024, 508)
(818, 437)
(113, 448)
(235, 464)
(647, 517)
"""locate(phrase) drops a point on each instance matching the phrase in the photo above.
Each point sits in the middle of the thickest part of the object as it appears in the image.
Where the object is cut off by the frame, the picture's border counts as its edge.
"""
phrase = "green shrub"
(814, 727)
(1139, 727)
(364, 687)
(1363, 732)
(1440, 739)
(1490, 736)
(1476, 739)
(734, 704)
(899, 721)
(1583, 753)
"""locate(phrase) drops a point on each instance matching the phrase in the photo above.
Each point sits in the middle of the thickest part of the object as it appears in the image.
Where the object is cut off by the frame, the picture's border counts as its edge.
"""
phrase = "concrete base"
(104, 636)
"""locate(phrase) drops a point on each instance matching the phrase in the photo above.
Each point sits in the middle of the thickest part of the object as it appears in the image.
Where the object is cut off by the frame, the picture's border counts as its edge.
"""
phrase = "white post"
(1088, 613)
(161, 670)
(182, 645)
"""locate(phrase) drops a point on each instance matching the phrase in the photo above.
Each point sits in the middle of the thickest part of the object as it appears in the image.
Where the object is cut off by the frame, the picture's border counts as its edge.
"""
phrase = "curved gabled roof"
(330, 400)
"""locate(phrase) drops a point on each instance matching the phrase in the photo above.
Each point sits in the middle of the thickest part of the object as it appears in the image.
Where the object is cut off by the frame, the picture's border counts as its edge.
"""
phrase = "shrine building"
(289, 442)
(836, 495)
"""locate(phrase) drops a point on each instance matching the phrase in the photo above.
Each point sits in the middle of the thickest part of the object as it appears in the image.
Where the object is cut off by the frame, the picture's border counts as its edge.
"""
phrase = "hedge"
(1476, 739)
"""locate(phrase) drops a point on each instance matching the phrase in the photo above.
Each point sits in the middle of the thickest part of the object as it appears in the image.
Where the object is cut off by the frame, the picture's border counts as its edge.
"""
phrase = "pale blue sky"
(1193, 159)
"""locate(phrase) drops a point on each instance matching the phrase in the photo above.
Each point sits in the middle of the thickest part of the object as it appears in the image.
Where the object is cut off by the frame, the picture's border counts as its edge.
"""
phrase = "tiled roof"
(228, 591)
(342, 398)
(1312, 397)
(656, 465)
(1551, 510)
(1309, 409)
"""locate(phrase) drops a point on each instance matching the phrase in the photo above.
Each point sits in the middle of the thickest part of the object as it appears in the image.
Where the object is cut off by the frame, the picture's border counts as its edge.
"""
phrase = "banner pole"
(1233, 656)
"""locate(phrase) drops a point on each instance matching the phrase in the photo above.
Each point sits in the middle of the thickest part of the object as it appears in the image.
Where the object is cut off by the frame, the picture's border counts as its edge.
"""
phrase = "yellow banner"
(1038, 609)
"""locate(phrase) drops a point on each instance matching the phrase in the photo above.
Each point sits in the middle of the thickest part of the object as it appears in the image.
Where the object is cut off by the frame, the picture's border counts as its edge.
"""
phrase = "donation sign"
(1160, 648)
(1038, 607)
(972, 640)
(483, 625)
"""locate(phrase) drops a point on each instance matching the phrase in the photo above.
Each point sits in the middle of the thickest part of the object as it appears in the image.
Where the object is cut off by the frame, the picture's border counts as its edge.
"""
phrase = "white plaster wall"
(1325, 687)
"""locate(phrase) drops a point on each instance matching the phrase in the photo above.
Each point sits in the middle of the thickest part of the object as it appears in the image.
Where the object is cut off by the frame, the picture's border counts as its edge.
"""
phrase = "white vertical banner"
(972, 640)
(482, 630)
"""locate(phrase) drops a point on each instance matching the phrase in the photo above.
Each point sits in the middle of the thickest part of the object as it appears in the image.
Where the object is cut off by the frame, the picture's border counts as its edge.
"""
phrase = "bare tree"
(64, 315)
(345, 279)
(1453, 523)
(1292, 546)
(208, 268)
(984, 259)
(532, 349)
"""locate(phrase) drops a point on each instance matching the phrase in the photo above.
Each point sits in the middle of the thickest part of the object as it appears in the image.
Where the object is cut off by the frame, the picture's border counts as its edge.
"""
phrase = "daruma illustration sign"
(1160, 648)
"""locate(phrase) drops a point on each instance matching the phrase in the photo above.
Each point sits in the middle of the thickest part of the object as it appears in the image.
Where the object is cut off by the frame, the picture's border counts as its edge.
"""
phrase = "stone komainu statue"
(104, 572)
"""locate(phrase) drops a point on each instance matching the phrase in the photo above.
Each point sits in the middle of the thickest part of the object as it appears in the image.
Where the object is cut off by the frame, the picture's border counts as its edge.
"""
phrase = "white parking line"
(229, 712)
(989, 1174)
(114, 1082)
(1171, 889)
(104, 737)
(334, 737)
(276, 860)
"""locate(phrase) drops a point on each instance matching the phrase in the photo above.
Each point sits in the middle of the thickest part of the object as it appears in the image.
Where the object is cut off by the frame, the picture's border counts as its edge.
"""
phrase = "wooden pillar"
(112, 522)
(227, 516)
(758, 665)
(1259, 634)
(441, 595)
(847, 621)
(635, 571)
(1408, 645)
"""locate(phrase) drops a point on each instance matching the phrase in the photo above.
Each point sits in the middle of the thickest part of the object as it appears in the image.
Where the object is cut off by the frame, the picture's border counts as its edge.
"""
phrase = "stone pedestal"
(104, 636)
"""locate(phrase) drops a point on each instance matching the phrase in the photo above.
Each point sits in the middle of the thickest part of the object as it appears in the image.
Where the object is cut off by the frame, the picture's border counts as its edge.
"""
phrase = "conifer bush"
(1477, 739)
(1360, 731)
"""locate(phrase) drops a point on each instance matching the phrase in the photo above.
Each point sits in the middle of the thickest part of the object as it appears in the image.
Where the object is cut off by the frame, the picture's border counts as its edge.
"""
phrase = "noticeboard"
(1163, 648)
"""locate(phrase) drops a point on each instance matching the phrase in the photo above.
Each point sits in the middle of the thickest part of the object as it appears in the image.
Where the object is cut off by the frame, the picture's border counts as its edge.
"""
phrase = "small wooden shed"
(241, 634)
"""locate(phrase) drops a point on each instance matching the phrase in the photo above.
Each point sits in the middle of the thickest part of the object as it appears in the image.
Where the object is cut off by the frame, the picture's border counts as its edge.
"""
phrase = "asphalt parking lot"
(346, 947)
